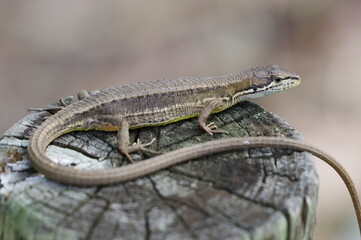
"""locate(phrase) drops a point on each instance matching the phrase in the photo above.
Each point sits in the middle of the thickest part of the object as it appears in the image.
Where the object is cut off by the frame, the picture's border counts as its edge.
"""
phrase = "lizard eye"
(276, 79)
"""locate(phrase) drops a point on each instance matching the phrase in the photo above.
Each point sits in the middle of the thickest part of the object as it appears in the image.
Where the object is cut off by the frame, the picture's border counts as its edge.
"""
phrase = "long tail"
(49, 131)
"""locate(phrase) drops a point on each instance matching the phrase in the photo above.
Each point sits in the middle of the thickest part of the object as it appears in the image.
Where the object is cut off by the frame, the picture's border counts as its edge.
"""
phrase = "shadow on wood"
(253, 194)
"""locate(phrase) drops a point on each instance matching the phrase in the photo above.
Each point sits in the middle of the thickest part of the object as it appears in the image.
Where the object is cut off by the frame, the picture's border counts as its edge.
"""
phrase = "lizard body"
(152, 103)
(160, 102)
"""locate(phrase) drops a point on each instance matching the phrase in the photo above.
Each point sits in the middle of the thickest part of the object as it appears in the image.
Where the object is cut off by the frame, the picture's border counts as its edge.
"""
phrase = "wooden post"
(249, 194)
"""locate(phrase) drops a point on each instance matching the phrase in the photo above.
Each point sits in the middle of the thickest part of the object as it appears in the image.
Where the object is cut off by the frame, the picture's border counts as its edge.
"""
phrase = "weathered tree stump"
(249, 194)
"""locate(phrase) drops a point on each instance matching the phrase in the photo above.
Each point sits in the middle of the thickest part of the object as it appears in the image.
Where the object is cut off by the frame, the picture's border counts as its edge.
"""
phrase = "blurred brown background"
(52, 49)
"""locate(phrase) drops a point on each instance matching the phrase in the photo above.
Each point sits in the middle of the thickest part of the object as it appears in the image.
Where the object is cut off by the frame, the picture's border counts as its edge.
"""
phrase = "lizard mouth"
(286, 84)
(280, 86)
(272, 87)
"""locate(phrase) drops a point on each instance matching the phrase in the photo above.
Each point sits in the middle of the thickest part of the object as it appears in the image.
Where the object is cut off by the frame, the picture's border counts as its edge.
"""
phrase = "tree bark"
(249, 194)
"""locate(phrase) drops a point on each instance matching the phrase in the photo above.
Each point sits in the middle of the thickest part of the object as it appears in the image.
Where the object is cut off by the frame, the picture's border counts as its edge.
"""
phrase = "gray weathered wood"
(253, 194)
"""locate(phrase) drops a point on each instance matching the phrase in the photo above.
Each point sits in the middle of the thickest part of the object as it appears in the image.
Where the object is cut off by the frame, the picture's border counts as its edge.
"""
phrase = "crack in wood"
(183, 222)
(197, 207)
(97, 219)
(148, 232)
(243, 197)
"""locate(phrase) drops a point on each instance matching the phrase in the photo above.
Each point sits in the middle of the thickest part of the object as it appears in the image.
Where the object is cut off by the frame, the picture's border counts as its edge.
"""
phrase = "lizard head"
(270, 79)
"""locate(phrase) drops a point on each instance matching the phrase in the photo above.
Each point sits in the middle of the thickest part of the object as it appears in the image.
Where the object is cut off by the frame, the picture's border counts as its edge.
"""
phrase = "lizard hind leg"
(117, 123)
(79, 96)
(126, 149)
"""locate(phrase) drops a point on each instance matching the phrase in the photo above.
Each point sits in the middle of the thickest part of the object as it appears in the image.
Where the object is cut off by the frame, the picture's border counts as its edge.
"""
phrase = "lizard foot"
(211, 128)
(140, 147)
(48, 109)
(53, 109)
(79, 96)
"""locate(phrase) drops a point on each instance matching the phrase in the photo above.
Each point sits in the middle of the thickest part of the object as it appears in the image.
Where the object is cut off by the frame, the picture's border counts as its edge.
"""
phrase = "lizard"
(160, 102)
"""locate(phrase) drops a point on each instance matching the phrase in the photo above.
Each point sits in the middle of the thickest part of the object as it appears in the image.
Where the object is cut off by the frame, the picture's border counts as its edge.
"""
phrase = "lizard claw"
(211, 129)
(138, 146)
(138, 143)
(212, 126)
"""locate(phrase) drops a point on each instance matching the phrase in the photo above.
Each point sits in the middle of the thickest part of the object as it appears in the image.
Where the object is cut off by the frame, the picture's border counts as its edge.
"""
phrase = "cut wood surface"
(249, 194)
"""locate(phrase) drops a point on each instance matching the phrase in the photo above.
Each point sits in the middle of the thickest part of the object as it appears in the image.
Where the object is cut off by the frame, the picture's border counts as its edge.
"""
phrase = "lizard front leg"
(203, 116)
